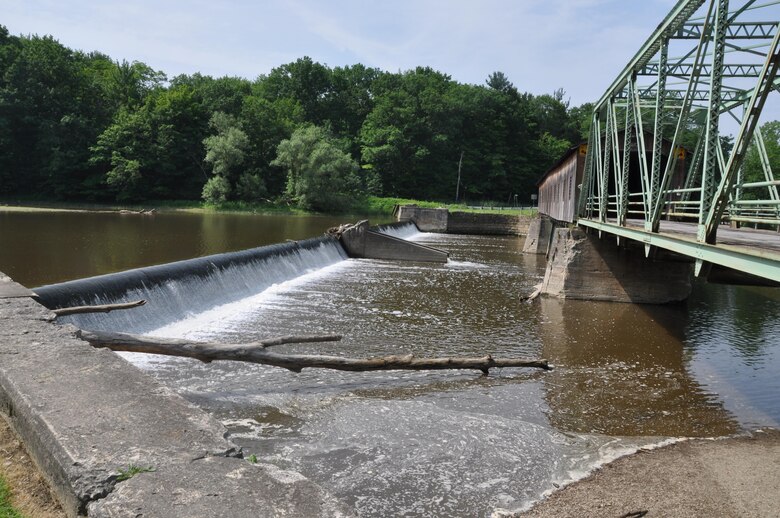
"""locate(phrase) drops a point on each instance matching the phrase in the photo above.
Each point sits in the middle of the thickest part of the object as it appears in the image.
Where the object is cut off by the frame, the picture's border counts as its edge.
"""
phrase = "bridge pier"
(581, 266)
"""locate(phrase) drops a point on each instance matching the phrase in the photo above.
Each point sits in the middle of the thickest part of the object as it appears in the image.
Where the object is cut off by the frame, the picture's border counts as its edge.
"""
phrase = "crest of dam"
(399, 229)
(175, 290)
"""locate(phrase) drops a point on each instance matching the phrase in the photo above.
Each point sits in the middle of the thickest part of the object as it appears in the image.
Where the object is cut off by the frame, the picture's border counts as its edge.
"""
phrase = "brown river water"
(439, 443)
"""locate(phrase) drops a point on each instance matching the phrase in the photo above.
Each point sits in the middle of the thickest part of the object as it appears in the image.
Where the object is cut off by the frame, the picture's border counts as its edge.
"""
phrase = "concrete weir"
(361, 242)
(85, 415)
(581, 266)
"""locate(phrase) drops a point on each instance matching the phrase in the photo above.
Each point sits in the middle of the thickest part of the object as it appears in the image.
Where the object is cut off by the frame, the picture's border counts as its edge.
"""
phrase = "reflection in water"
(38, 248)
(621, 370)
(733, 339)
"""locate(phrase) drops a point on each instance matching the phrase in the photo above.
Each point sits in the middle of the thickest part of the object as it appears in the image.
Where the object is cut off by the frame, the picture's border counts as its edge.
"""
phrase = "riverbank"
(29, 493)
(716, 478)
(369, 206)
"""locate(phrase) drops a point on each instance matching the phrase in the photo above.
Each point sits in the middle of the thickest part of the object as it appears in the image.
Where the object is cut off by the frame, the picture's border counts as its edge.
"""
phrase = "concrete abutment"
(84, 414)
(582, 266)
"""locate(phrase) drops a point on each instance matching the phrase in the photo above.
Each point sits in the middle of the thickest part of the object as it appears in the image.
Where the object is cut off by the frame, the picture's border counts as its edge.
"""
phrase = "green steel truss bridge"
(708, 70)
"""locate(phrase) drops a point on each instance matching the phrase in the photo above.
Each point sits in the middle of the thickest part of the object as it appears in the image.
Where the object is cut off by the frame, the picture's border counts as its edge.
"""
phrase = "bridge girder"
(725, 67)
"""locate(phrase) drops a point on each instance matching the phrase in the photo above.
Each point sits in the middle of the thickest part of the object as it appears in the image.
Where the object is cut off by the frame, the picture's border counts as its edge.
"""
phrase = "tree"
(128, 84)
(266, 124)
(155, 151)
(409, 138)
(499, 82)
(225, 150)
(752, 168)
(305, 81)
(320, 176)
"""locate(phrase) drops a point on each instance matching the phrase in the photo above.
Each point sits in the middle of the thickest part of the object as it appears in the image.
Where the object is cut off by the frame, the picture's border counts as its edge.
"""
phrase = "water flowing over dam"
(176, 290)
(440, 443)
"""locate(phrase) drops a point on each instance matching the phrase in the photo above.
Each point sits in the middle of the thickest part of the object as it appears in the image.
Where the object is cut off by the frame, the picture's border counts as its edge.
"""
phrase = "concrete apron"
(84, 414)
(584, 267)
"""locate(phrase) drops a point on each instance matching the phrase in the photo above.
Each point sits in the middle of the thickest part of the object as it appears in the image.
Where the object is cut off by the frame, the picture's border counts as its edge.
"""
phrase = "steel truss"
(709, 63)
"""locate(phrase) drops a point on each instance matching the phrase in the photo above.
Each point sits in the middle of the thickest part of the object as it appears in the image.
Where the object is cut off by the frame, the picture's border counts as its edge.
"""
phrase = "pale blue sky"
(541, 45)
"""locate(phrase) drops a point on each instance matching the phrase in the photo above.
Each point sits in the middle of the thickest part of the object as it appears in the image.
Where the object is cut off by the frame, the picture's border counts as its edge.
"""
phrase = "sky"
(541, 45)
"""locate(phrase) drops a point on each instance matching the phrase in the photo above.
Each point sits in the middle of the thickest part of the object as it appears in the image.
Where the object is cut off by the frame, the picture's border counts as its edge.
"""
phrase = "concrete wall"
(584, 267)
(486, 223)
(444, 221)
(85, 413)
(537, 240)
(427, 220)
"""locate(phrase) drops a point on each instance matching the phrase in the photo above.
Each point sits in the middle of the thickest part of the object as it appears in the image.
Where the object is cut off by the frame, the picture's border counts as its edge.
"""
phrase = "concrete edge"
(84, 414)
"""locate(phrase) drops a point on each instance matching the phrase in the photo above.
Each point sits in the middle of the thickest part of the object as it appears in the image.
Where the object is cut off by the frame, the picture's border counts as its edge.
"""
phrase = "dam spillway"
(453, 443)
(188, 287)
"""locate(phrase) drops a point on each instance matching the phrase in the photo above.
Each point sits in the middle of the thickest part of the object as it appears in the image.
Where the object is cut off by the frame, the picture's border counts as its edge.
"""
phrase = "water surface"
(457, 443)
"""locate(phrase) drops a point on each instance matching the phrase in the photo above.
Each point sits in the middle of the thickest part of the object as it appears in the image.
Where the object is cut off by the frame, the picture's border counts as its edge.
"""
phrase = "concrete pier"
(84, 414)
(584, 267)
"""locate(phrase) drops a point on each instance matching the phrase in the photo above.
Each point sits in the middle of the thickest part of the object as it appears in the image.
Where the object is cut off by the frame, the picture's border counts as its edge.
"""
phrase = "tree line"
(82, 126)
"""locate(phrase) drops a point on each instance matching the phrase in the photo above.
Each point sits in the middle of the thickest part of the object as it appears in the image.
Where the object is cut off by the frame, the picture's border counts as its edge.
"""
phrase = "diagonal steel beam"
(712, 134)
(673, 21)
(749, 123)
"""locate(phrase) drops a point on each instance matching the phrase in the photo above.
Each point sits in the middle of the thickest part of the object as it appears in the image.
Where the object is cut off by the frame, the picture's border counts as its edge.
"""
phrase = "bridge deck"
(748, 238)
(756, 252)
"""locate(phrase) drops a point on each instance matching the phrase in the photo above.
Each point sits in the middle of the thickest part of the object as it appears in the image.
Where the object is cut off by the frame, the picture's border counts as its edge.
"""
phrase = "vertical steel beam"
(626, 167)
(616, 158)
(641, 150)
(604, 176)
(597, 165)
(587, 176)
(713, 117)
(655, 195)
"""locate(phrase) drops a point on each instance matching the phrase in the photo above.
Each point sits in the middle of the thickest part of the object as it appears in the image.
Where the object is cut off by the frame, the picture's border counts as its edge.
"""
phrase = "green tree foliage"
(225, 150)
(753, 169)
(320, 176)
(83, 126)
(156, 151)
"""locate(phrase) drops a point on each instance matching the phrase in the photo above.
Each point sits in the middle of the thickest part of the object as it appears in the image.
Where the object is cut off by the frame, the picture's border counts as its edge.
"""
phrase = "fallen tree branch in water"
(256, 352)
(105, 308)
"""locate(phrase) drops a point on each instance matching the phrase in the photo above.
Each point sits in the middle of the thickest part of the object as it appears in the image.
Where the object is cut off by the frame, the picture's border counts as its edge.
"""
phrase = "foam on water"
(408, 231)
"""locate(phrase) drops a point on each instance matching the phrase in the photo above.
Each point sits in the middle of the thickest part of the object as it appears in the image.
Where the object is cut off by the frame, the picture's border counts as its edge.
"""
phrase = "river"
(434, 443)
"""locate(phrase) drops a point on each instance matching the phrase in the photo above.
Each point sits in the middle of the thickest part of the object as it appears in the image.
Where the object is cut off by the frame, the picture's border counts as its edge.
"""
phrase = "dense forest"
(82, 127)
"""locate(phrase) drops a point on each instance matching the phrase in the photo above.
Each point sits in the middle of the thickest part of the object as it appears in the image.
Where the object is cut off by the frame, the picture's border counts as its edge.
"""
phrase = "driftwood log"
(257, 352)
(105, 308)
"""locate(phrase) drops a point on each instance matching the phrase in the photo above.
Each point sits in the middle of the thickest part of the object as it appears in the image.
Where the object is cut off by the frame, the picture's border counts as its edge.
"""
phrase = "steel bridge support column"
(656, 198)
(624, 170)
(711, 144)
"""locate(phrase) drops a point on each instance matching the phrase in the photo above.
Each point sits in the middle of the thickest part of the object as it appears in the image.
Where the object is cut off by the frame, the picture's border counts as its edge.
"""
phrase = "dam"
(456, 443)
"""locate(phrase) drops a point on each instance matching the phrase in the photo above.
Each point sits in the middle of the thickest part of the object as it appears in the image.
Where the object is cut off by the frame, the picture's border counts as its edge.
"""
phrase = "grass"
(131, 471)
(377, 205)
(6, 509)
